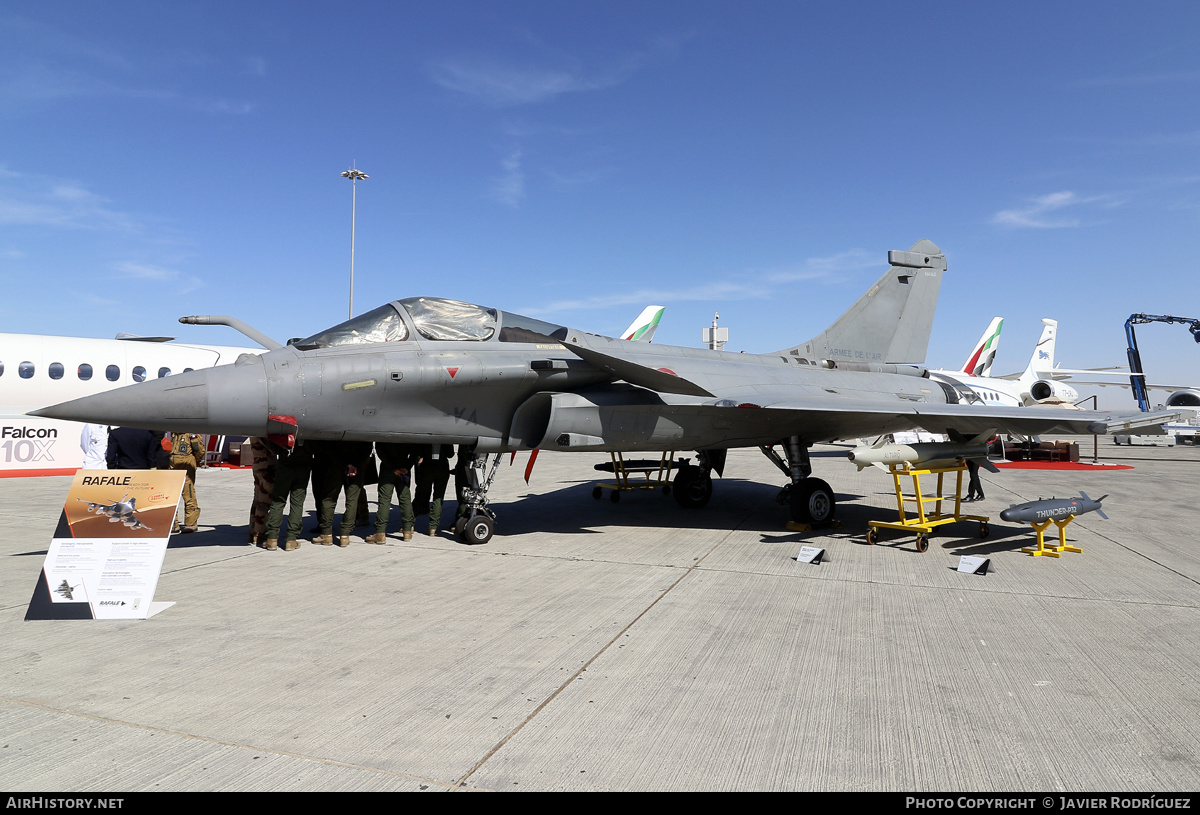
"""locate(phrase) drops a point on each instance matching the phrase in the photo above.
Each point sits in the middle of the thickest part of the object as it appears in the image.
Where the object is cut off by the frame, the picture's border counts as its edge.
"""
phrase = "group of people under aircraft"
(415, 475)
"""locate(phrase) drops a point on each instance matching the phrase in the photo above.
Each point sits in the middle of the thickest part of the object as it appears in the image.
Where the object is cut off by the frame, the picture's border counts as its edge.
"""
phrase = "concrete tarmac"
(631, 646)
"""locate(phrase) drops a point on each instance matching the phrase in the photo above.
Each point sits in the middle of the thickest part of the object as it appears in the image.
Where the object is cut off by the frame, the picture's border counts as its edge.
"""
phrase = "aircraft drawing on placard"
(122, 511)
(436, 371)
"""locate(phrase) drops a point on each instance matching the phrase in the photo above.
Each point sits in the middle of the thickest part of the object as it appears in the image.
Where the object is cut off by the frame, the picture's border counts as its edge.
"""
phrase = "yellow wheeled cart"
(636, 474)
(925, 522)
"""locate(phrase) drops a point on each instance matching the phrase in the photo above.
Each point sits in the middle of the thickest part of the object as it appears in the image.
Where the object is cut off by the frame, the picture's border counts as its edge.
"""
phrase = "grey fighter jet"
(436, 371)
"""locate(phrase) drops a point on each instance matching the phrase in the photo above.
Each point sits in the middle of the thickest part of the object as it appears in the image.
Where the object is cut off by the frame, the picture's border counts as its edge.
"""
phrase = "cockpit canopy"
(435, 319)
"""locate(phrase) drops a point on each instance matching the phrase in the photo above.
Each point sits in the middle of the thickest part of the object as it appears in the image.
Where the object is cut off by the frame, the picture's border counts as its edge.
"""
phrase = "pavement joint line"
(179, 569)
(1143, 555)
(972, 590)
(461, 783)
(210, 740)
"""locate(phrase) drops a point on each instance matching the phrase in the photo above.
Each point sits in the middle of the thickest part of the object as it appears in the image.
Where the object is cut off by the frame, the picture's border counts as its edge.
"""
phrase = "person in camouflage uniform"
(187, 453)
(263, 468)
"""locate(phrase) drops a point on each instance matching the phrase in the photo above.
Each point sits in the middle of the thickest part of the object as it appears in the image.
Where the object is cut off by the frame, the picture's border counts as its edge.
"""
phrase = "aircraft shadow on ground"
(736, 504)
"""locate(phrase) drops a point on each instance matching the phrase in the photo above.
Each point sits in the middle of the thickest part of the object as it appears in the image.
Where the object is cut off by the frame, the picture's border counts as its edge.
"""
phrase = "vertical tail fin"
(643, 328)
(979, 363)
(1041, 364)
(892, 321)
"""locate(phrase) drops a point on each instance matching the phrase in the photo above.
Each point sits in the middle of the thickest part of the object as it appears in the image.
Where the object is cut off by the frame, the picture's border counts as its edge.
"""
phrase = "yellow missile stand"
(925, 522)
(655, 475)
(1053, 551)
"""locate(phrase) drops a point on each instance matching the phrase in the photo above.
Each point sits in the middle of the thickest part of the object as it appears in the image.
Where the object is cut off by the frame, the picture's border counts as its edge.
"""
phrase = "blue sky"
(575, 161)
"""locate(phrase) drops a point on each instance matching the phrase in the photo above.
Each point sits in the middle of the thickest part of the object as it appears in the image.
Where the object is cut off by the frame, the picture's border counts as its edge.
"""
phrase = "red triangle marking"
(452, 371)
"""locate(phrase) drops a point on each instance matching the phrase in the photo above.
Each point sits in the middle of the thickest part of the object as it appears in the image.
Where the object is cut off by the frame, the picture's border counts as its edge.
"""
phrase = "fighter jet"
(118, 511)
(438, 371)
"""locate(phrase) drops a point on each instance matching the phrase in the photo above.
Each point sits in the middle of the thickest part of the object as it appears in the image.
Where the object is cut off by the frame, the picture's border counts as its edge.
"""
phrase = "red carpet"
(1058, 465)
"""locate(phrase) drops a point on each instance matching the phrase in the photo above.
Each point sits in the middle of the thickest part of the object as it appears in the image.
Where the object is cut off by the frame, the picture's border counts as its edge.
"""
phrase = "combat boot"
(433, 532)
(291, 544)
(271, 545)
(408, 534)
(378, 537)
(344, 541)
(323, 540)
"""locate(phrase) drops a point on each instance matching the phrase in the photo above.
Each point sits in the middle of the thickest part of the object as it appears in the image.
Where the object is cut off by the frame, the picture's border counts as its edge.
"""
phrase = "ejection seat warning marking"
(452, 371)
(108, 550)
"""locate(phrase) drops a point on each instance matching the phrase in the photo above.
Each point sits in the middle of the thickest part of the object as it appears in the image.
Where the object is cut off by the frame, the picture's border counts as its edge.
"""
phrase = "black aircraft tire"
(812, 502)
(692, 488)
(478, 530)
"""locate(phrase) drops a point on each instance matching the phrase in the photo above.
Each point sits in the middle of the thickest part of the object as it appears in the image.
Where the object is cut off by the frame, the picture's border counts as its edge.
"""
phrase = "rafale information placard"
(108, 549)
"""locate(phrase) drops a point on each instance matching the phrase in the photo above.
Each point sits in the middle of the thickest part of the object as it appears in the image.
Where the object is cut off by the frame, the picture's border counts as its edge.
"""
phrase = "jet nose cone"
(226, 399)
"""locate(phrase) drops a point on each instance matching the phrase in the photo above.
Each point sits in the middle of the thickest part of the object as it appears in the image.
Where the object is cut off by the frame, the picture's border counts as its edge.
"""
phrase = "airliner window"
(85, 371)
(379, 325)
(113, 373)
(163, 372)
(526, 329)
(55, 370)
(447, 320)
(139, 374)
(25, 370)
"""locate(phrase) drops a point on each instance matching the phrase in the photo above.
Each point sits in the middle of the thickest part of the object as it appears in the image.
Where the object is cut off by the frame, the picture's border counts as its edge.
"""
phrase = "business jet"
(38, 370)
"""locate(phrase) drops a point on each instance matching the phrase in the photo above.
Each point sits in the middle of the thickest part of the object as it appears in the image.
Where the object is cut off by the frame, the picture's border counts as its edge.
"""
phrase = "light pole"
(354, 175)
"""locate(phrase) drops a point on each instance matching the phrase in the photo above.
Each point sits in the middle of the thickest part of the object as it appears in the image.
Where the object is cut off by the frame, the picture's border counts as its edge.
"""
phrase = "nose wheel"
(476, 530)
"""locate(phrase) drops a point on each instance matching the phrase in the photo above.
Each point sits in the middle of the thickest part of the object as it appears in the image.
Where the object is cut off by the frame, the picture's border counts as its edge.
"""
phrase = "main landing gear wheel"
(811, 502)
(477, 530)
(692, 488)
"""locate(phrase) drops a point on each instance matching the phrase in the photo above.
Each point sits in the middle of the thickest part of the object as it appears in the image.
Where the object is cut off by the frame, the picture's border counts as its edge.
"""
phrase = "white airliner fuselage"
(37, 371)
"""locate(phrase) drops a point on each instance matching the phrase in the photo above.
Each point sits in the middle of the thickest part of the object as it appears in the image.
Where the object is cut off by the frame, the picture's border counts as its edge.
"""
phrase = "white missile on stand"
(883, 453)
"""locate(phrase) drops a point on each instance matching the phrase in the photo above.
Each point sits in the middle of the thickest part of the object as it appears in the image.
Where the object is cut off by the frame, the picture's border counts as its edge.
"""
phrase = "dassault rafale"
(436, 371)
(122, 511)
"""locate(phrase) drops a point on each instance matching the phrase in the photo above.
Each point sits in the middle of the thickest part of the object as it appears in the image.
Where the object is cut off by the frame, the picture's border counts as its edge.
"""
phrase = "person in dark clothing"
(396, 463)
(132, 449)
(345, 465)
(974, 486)
(433, 473)
(292, 468)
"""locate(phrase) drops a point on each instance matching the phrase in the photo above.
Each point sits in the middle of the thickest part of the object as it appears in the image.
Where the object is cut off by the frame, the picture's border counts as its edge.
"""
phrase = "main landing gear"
(693, 482)
(810, 500)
